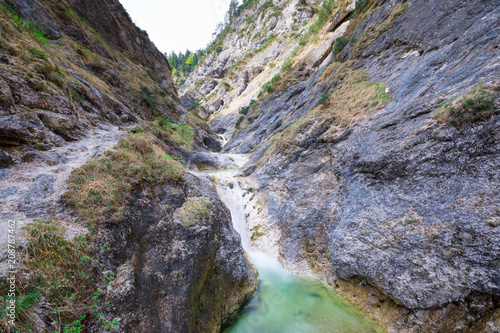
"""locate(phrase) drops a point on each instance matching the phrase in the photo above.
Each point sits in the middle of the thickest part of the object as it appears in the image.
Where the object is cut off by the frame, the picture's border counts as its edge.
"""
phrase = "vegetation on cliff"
(67, 68)
(66, 82)
(99, 189)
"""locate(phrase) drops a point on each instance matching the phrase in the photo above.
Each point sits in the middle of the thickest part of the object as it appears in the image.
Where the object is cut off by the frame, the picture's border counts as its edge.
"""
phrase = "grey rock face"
(17, 131)
(173, 276)
(52, 103)
(206, 160)
(254, 29)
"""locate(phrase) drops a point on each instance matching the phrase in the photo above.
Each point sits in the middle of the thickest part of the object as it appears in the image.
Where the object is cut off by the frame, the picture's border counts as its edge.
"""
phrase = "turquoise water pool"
(289, 303)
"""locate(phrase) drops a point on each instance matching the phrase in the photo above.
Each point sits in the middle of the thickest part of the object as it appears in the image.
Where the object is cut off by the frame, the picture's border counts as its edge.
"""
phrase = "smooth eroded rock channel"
(285, 302)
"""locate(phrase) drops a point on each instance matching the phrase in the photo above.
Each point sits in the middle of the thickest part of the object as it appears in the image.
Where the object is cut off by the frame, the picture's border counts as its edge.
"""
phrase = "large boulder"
(180, 265)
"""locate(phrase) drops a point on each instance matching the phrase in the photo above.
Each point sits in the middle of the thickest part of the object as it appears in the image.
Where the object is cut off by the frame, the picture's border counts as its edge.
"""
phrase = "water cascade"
(284, 302)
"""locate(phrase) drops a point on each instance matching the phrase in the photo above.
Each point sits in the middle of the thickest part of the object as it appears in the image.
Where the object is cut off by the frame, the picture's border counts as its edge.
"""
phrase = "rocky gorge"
(370, 131)
(373, 136)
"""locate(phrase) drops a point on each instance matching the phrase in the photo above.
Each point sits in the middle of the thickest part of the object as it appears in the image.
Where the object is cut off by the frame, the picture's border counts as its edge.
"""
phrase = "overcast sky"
(177, 24)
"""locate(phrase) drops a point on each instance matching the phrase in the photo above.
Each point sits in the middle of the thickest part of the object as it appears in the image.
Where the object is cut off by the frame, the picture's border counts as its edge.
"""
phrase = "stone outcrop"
(222, 77)
(176, 274)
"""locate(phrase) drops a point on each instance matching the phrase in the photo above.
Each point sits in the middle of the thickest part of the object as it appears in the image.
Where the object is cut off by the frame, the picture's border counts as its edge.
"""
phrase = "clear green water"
(288, 303)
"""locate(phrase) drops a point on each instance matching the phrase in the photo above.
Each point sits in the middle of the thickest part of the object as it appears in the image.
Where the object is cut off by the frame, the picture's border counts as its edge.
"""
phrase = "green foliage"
(135, 58)
(36, 52)
(180, 61)
(244, 110)
(324, 97)
(75, 327)
(183, 63)
(238, 122)
(340, 43)
(266, 5)
(76, 96)
(36, 30)
(147, 97)
(476, 105)
(287, 64)
(33, 28)
(180, 133)
(323, 16)
(268, 86)
(382, 93)
(247, 4)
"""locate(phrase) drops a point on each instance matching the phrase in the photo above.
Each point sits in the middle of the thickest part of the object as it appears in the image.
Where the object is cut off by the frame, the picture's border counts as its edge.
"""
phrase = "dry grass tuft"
(478, 104)
(352, 99)
(193, 211)
(99, 189)
(55, 273)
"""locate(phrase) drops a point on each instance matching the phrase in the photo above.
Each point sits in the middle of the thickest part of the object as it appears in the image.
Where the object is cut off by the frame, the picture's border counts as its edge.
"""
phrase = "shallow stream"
(285, 302)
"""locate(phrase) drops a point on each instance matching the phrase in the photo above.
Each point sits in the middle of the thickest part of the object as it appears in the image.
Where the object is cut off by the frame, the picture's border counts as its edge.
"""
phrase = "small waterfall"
(284, 302)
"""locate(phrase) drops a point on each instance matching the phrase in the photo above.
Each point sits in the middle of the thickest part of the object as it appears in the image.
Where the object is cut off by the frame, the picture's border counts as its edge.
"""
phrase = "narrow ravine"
(284, 302)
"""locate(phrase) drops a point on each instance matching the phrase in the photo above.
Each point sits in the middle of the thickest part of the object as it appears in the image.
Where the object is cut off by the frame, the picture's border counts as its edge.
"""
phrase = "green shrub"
(36, 30)
(36, 52)
(238, 122)
(476, 105)
(268, 86)
(267, 4)
(287, 64)
(244, 110)
(76, 96)
(147, 97)
(247, 4)
(324, 97)
(340, 43)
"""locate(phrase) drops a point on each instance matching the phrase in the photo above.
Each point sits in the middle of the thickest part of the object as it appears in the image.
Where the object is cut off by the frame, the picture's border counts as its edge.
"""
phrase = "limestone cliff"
(373, 128)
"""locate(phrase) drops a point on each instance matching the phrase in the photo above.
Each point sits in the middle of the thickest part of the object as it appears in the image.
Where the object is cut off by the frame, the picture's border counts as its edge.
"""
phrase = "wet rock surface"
(207, 160)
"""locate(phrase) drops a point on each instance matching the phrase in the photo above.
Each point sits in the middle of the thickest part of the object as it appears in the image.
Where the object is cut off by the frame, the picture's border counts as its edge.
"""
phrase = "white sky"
(177, 24)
